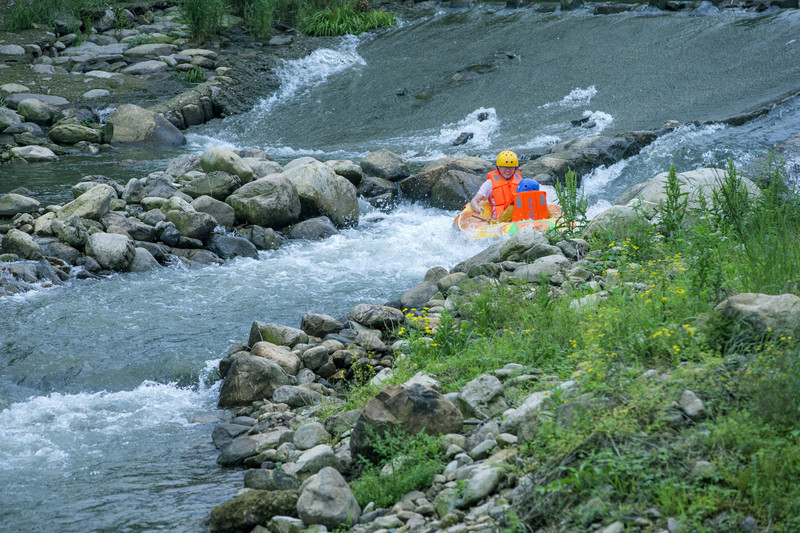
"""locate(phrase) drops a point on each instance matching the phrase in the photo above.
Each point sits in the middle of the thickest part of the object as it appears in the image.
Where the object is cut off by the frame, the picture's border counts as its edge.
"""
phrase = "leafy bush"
(407, 463)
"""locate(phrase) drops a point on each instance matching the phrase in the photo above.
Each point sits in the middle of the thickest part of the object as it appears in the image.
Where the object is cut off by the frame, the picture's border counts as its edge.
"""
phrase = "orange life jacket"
(502, 191)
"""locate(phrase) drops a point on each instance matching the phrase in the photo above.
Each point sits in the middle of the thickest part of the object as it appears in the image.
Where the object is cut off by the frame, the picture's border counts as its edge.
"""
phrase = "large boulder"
(692, 182)
(74, 133)
(36, 111)
(20, 243)
(136, 229)
(387, 165)
(112, 251)
(8, 117)
(92, 204)
(71, 231)
(252, 508)
(249, 379)
(220, 159)
(764, 312)
(319, 325)
(131, 124)
(143, 261)
(192, 224)
(376, 316)
(12, 204)
(455, 188)
(271, 201)
(217, 184)
(228, 247)
(407, 410)
(276, 334)
(326, 499)
(419, 295)
(34, 154)
(222, 212)
(313, 229)
(288, 361)
(324, 193)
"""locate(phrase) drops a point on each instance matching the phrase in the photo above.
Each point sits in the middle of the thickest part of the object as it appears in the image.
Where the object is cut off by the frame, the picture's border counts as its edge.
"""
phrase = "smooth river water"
(107, 387)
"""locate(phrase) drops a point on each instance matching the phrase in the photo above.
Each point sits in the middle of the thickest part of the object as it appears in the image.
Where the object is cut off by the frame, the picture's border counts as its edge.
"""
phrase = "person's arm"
(483, 194)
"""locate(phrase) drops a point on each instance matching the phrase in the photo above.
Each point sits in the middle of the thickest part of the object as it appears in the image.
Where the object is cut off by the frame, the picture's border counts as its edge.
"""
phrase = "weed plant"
(203, 17)
(613, 445)
(344, 19)
(573, 204)
(27, 13)
(673, 209)
(194, 75)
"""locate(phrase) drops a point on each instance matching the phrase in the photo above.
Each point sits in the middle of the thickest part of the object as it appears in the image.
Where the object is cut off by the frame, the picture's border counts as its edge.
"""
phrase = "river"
(108, 387)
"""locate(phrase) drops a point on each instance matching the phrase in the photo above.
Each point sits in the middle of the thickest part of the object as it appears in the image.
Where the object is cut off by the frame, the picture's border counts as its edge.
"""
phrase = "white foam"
(576, 98)
(482, 130)
(595, 182)
(601, 120)
(540, 141)
(52, 428)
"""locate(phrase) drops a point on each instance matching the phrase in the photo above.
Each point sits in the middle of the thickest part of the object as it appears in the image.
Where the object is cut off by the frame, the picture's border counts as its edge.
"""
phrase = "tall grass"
(26, 13)
(203, 17)
(344, 19)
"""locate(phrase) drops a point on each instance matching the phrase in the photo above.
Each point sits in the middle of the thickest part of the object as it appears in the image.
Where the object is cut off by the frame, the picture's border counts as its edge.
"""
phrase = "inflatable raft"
(483, 227)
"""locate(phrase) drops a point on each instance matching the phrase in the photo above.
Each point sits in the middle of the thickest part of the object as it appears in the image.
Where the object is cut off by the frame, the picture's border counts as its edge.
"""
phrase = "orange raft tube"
(473, 227)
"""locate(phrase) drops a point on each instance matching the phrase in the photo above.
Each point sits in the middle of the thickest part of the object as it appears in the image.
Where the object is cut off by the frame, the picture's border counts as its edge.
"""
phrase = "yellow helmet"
(507, 158)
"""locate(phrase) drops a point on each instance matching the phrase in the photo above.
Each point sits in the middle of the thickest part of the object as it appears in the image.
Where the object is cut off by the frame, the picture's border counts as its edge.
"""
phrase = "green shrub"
(344, 19)
(412, 462)
(673, 209)
(258, 17)
(203, 17)
(573, 203)
(194, 75)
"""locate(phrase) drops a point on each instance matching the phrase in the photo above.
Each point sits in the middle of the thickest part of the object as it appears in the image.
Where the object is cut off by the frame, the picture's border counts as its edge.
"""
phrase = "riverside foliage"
(613, 450)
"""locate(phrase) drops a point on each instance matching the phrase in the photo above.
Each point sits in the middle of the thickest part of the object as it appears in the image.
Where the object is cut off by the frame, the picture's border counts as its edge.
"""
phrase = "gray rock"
(12, 204)
(296, 396)
(489, 255)
(92, 204)
(319, 325)
(131, 124)
(263, 238)
(36, 111)
(270, 201)
(220, 159)
(455, 188)
(377, 316)
(763, 312)
(482, 398)
(288, 361)
(324, 193)
(419, 295)
(33, 154)
(13, 100)
(150, 50)
(222, 212)
(74, 133)
(309, 435)
(228, 247)
(326, 499)
(111, 251)
(136, 229)
(387, 165)
(692, 406)
(251, 509)
(8, 117)
(20, 243)
(347, 169)
(315, 357)
(315, 459)
(193, 225)
(217, 184)
(519, 243)
(412, 409)
(143, 261)
(544, 267)
(483, 482)
(71, 231)
(276, 334)
(249, 379)
(313, 229)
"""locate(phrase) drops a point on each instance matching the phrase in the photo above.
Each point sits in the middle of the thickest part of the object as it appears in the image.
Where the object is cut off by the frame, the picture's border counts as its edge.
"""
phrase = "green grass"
(612, 447)
(344, 19)
(26, 13)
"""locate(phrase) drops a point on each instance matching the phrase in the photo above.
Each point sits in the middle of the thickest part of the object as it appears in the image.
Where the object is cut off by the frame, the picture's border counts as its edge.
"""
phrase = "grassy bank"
(614, 446)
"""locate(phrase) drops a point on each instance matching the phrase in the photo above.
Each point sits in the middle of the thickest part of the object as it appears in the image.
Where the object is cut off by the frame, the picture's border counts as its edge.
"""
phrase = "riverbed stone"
(33, 154)
(387, 165)
(764, 312)
(36, 111)
(271, 201)
(263, 238)
(217, 184)
(137, 230)
(223, 213)
(327, 499)
(315, 459)
(132, 124)
(8, 117)
(262, 479)
(313, 229)
(111, 251)
(142, 261)
(250, 379)
(296, 396)
(276, 334)
(419, 295)
(482, 398)
(377, 316)
(324, 193)
(92, 204)
(193, 225)
(309, 435)
(455, 188)
(20, 243)
(484, 481)
(408, 409)
(74, 133)
(150, 50)
(543, 268)
(347, 169)
(71, 231)
(12, 204)
(288, 361)
(251, 509)
(220, 159)
(319, 324)
(228, 247)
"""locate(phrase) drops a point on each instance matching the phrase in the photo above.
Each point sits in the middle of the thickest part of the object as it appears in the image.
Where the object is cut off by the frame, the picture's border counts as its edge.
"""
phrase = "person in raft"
(499, 188)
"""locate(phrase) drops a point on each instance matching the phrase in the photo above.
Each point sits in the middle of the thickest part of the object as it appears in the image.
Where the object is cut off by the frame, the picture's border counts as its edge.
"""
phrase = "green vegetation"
(614, 446)
(344, 19)
(194, 75)
(26, 13)
(573, 203)
(203, 17)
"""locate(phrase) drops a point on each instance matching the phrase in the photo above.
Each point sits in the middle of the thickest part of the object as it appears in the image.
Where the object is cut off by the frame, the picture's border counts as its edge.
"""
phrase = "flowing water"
(107, 387)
